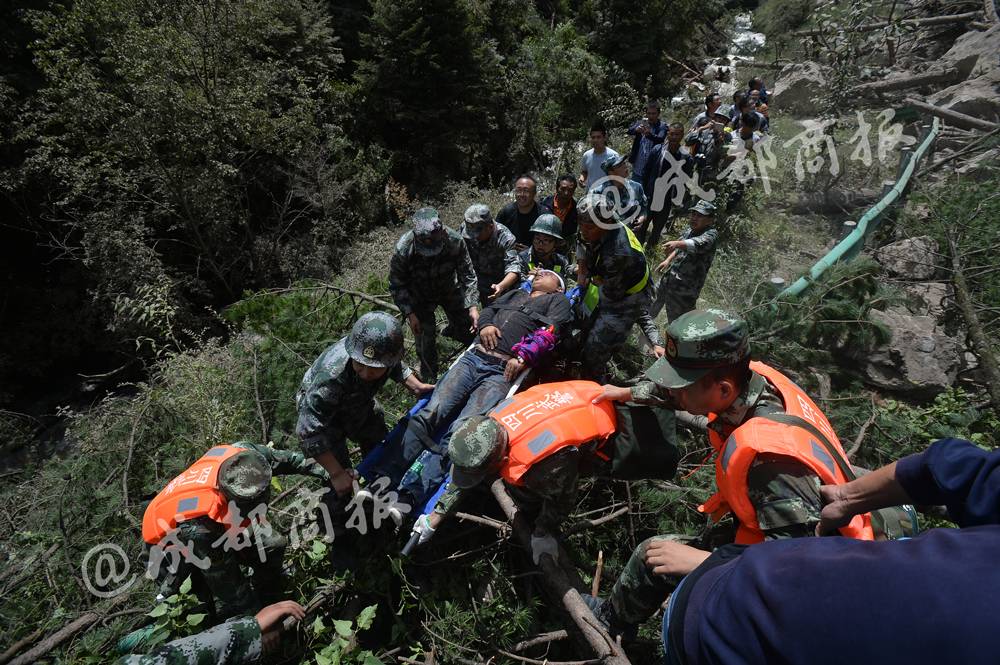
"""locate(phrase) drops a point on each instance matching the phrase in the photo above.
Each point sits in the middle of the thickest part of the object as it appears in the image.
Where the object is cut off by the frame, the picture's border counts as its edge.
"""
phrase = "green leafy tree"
(425, 92)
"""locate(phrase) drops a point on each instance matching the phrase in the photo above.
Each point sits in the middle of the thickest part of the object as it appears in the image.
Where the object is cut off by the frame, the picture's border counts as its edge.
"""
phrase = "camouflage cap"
(428, 232)
(476, 449)
(548, 224)
(704, 207)
(613, 161)
(245, 477)
(698, 342)
(477, 216)
(376, 340)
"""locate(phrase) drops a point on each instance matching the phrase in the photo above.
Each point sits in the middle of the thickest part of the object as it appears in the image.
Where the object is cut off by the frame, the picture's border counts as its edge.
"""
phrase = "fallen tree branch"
(523, 659)
(954, 117)
(595, 586)
(980, 342)
(502, 527)
(82, 622)
(856, 446)
(947, 75)
(870, 27)
(544, 638)
(930, 167)
(583, 525)
(557, 582)
(20, 644)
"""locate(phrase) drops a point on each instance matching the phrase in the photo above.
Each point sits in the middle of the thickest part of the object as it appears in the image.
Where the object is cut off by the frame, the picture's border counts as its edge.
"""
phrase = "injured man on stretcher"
(517, 332)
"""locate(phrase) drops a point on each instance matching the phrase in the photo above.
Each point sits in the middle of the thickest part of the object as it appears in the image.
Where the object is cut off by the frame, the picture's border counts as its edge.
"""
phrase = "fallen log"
(82, 622)
(833, 201)
(953, 117)
(558, 583)
(947, 75)
(869, 27)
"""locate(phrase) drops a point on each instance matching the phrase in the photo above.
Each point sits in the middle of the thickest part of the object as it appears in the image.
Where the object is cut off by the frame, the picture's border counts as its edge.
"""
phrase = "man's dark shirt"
(657, 166)
(516, 314)
(519, 223)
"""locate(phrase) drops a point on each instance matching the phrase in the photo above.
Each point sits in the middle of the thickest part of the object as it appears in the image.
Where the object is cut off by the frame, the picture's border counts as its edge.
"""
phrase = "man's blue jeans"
(473, 386)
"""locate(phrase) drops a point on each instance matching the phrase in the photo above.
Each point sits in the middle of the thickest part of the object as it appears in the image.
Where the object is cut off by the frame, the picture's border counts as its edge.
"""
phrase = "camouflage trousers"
(677, 300)
(366, 427)
(638, 591)
(459, 323)
(609, 332)
(224, 587)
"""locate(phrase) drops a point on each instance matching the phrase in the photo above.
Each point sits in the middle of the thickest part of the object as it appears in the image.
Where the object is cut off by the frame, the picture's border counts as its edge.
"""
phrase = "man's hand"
(513, 367)
(613, 394)
(673, 245)
(489, 336)
(659, 351)
(424, 528)
(836, 511)
(342, 482)
(420, 388)
(474, 315)
(270, 617)
(414, 323)
(666, 557)
(543, 545)
(495, 293)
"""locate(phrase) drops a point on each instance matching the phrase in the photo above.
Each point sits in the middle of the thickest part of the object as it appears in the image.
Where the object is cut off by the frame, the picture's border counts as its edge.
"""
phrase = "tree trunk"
(948, 75)
(953, 117)
(869, 27)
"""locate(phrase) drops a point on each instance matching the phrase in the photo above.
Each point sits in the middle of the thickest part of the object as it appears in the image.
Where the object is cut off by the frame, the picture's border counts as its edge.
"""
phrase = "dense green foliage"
(158, 158)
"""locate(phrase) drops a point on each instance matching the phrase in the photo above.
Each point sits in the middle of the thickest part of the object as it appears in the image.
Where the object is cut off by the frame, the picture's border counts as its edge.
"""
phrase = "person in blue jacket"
(929, 599)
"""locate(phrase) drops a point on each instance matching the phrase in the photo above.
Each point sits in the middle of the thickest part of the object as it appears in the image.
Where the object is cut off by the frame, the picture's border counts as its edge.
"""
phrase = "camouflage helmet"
(428, 232)
(698, 342)
(549, 225)
(476, 449)
(595, 208)
(245, 477)
(376, 340)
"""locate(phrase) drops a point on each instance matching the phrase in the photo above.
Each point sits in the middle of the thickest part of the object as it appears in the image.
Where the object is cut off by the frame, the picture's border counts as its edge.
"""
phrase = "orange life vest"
(549, 417)
(194, 493)
(759, 436)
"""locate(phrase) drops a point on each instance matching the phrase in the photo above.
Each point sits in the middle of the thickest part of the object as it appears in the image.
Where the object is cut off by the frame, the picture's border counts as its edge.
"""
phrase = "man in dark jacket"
(562, 204)
(670, 170)
(814, 600)
(648, 133)
(482, 376)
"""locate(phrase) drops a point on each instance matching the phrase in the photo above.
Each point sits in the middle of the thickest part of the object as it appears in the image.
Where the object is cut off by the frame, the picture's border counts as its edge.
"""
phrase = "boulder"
(975, 55)
(931, 299)
(799, 87)
(975, 52)
(912, 258)
(920, 359)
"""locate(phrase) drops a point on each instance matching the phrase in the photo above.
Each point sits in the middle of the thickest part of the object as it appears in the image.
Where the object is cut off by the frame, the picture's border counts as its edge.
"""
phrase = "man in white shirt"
(591, 170)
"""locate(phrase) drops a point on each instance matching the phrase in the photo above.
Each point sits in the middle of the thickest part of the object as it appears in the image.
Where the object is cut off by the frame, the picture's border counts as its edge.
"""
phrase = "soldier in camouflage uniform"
(430, 268)
(548, 489)
(237, 641)
(707, 370)
(336, 400)
(245, 480)
(491, 248)
(611, 266)
(687, 264)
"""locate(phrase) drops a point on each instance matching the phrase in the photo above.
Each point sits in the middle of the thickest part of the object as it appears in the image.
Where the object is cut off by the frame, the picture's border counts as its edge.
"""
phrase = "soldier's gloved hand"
(543, 545)
(423, 527)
